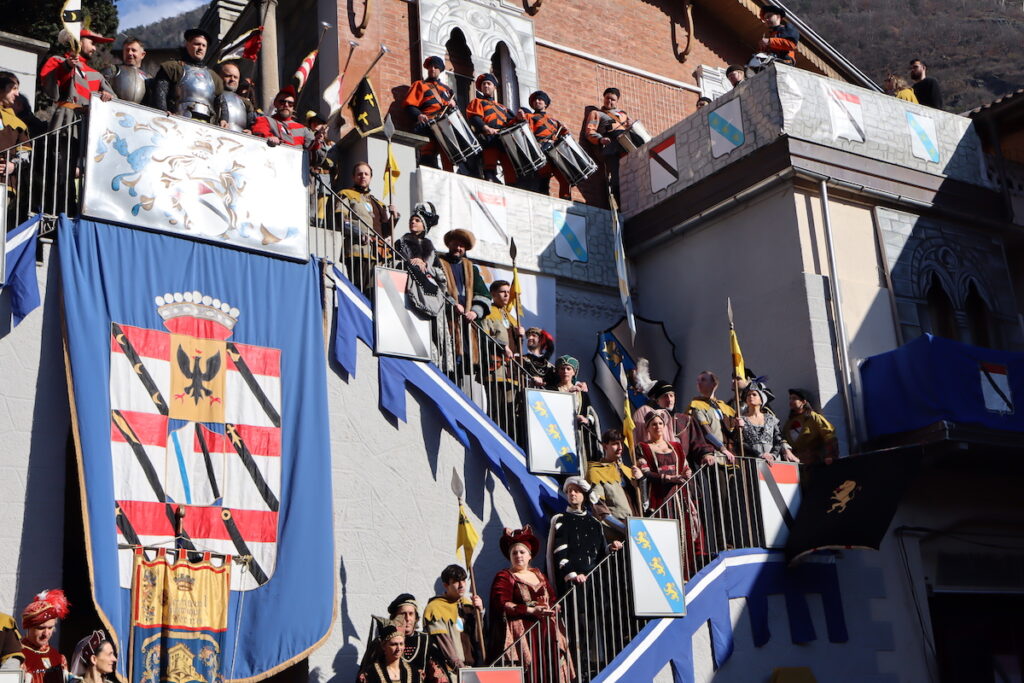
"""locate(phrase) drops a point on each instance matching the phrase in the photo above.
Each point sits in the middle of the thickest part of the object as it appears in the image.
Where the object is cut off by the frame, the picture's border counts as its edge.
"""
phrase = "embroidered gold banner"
(180, 594)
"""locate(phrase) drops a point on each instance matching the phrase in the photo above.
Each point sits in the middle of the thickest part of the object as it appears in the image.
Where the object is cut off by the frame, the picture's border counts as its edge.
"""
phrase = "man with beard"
(370, 221)
(234, 111)
(282, 128)
(70, 80)
(128, 80)
(186, 86)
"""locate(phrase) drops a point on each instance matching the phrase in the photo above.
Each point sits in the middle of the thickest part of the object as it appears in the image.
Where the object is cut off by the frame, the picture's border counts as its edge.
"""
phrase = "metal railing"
(718, 508)
(43, 176)
(474, 360)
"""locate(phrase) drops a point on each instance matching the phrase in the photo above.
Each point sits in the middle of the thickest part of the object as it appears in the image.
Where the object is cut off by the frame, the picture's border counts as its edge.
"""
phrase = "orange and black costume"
(487, 111)
(427, 98)
(782, 40)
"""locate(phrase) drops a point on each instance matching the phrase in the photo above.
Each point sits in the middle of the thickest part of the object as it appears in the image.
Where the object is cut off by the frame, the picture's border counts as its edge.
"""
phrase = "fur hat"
(460, 234)
(513, 537)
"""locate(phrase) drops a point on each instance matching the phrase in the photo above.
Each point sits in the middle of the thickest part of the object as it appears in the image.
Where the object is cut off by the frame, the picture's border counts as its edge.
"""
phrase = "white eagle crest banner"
(167, 173)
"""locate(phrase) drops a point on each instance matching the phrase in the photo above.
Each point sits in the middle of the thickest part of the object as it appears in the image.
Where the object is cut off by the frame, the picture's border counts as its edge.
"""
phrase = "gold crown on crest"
(184, 583)
(197, 305)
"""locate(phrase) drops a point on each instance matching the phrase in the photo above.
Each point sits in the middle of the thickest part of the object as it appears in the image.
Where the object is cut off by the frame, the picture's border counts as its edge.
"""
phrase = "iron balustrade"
(478, 364)
(43, 176)
(718, 508)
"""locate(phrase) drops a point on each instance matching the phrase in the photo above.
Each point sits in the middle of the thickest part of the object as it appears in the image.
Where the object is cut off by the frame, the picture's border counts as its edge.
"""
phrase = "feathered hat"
(50, 604)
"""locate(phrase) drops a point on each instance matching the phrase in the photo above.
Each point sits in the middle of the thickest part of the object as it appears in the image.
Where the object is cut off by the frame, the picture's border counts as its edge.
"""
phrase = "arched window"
(941, 315)
(462, 67)
(504, 68)
(979, 319)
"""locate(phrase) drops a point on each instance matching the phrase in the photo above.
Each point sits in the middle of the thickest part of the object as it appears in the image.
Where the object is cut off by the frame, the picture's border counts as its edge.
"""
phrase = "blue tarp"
(933, 379)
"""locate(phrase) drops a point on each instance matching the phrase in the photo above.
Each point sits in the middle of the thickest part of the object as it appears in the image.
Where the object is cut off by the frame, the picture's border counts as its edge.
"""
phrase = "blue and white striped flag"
(620, 270)
(20, 269)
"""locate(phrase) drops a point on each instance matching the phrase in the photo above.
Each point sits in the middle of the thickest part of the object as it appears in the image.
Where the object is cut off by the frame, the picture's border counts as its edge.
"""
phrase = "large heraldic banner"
(200, 394)
(180, 176)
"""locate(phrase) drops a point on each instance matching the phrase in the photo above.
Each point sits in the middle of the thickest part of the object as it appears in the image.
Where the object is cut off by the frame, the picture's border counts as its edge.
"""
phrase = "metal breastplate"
(129, 82)
(194, 93)
(231, 108)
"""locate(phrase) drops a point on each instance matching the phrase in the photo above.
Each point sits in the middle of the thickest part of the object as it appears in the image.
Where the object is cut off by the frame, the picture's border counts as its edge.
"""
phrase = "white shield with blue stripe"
(570, 235)
(726, 126)
(924, 144)
(656, 567)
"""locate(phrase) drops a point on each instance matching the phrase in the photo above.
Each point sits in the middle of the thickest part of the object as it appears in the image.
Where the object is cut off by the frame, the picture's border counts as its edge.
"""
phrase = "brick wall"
(634, 34)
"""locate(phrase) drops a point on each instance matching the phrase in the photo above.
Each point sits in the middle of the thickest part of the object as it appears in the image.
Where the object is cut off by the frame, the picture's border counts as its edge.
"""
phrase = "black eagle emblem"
(193, 371)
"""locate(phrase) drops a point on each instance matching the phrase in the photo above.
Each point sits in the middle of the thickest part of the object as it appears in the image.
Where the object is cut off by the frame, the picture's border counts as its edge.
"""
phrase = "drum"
(522, 147)
(568, 157)
(634, 137)
(454, 135)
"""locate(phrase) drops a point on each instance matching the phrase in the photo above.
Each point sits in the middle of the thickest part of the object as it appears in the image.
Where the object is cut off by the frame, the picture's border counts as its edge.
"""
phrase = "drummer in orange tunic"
(604, 126)
(487, 116)
(425, 99)
(546, 130)
(39, 620)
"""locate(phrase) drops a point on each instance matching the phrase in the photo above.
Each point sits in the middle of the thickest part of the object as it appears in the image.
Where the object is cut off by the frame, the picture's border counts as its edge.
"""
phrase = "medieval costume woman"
(387, 665)
(524, 618)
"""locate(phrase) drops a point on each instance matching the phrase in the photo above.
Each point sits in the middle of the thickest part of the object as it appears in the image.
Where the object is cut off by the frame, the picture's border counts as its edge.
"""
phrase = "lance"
(513, 252)
(458, 489)
(735, 380)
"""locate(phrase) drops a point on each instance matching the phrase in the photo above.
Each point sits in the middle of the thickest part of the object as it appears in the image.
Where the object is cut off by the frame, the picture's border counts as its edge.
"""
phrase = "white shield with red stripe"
(196, 437)
(664, 167)
(779, 487)
(845, 114)
(995, 387)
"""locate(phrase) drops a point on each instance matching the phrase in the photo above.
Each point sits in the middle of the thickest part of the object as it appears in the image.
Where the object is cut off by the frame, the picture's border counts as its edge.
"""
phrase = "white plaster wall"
(394, 511)
(34, 427)
(754, 257)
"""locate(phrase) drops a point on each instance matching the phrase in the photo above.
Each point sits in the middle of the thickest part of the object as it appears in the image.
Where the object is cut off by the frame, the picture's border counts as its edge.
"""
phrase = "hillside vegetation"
(166, 32)
(974, 49)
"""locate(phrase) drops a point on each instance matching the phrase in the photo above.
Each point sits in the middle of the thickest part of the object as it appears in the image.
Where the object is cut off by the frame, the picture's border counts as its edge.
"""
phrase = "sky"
(132, 13)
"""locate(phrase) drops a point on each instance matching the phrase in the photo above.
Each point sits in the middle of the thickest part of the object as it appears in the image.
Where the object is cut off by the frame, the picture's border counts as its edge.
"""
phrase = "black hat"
(773, 9)
(659, 389)
(802, 394)
(735, 67)
(403, 599)
(193, 32)
(433, 60)
(486, 77)
(427, 214)
(540, 95)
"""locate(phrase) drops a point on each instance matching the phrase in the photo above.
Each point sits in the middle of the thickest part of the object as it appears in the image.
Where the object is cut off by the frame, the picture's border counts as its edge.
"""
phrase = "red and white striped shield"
(779, 485)
(196, 437)
(664, 167)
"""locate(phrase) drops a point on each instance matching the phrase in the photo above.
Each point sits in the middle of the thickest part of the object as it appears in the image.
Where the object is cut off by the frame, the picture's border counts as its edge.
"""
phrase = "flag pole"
(735, 379)
(324, 26)
(458, 489)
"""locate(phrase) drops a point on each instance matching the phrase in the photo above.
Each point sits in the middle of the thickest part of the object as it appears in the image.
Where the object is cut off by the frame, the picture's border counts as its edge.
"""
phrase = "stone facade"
(916, 248)
(528, 217)
(786, 101)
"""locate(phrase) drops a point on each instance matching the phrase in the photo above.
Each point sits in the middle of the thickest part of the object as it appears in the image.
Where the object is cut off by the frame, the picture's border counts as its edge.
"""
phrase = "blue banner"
(199, 388)
(20, 269)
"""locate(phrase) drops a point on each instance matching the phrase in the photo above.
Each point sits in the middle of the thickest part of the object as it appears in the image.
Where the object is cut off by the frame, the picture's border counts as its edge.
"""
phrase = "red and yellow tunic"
(428, 97)
(73, 85)
(290, 131)
(38, 661)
